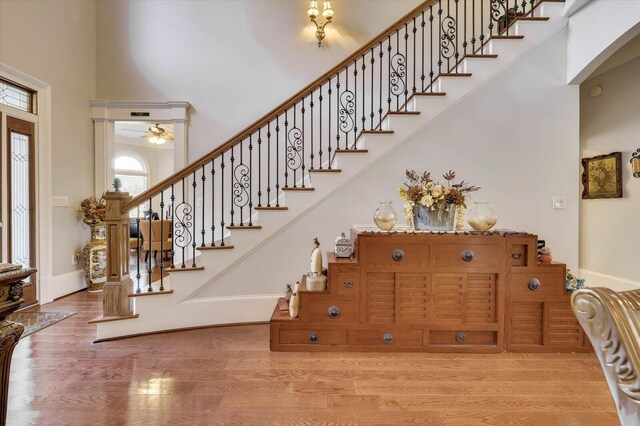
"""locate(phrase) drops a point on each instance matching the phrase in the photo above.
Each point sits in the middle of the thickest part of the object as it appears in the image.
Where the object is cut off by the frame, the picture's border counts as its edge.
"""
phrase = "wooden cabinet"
(450, 292)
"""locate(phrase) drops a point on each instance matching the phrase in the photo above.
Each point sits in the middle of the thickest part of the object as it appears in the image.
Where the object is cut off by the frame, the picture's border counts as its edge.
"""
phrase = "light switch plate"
(59, 201)
(559, 202)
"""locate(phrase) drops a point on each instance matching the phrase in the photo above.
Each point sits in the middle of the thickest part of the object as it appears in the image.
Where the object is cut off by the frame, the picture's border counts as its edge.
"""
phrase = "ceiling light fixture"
(327, 13)
(157, 135)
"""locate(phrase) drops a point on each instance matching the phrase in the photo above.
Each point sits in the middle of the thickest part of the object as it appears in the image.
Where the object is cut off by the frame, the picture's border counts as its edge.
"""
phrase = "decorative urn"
(343, 246)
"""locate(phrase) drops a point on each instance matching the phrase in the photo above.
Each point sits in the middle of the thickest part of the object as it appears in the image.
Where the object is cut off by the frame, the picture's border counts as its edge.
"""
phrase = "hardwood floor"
(228, 376)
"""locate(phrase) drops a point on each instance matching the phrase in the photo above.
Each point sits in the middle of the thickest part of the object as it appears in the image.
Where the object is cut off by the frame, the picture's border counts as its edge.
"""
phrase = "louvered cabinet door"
(461, 299)
(381, 297)
(412, 298)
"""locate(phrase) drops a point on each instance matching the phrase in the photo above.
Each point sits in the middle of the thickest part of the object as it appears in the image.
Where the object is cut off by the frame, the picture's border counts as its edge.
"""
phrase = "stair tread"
(352, 151)
(481, 56)
(244, 227)
(430, 94)
(532, 18)
(144, 292)
(298, 188)
(507, 37)
(102, 318)
(404, 112)
(272, 208)
(180, 269)
(325, 170)
(215, 248)
(373, 132)
(455, 74)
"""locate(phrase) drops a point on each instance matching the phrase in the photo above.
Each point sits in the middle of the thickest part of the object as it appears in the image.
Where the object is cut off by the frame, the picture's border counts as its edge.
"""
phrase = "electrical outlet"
(559, 202)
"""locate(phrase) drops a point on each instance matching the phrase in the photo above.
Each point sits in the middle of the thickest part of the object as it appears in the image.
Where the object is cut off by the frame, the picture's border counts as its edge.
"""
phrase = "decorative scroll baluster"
(213, 210)
(259, 169)
(448, 42)
(183, 212)
(346, 112)
(193, 243)
(222, 199)
(269, 164)
(294, 147)
(398, 76)
(162, 240)
(240, 185)
(286, 149)
(202, 232)
(233, 171)
(149, 269)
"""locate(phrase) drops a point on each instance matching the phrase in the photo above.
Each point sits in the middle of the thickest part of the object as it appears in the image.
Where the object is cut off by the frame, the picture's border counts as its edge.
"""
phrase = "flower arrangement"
(92, 210)
(421, 189)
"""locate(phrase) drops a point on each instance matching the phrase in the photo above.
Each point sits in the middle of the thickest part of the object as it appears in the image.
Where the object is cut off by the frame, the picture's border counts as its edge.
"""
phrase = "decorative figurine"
(294, 305)
(573, 283)
(296, 287)
(343, 247)
(288, 292)
(545, 255)
(315, 280)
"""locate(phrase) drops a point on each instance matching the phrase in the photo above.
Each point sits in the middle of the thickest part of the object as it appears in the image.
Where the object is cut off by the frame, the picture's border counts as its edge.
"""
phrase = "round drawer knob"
(333, 312)
(460, 337)
(387, 338)
(348, 284)
(313, 337)
(467, 255)
(534, 284)
(397, 255)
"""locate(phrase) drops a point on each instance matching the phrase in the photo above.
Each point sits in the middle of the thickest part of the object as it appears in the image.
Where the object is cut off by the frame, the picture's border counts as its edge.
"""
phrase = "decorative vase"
(385, 216)
(461, 210)
(288, 292)
(430, 219)
(482, 217)
(94, 259)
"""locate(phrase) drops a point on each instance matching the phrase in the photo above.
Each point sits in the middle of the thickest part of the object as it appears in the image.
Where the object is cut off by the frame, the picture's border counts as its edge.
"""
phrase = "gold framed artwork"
(602, 176)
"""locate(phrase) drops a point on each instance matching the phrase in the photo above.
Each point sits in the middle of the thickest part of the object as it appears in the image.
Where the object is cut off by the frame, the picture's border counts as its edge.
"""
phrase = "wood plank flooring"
(228, 376)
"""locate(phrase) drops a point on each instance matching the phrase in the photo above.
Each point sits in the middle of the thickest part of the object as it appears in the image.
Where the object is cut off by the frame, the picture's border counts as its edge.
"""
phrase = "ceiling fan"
(157, 135)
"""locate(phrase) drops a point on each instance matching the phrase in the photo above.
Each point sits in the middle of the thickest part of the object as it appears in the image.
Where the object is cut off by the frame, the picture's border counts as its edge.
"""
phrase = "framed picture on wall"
(602, 176)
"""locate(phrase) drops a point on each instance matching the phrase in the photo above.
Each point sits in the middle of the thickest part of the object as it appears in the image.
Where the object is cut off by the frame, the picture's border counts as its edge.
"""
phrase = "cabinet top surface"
(408, 230)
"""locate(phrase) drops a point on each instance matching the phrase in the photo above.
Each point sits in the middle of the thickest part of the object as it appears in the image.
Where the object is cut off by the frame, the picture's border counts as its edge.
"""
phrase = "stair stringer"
(187, 307)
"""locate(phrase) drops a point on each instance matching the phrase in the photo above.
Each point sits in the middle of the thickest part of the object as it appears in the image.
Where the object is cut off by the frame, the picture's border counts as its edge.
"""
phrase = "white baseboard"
(61, 285)
(597, 279)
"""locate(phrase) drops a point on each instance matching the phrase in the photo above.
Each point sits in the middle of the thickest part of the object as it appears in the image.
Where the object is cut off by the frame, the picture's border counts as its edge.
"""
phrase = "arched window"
(133, 174)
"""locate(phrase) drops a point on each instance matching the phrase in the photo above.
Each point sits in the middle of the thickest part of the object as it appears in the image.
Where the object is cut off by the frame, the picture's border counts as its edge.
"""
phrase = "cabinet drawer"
(345, 282)
(385, 338)
(462, 338)
(534, 284)
(397, 253)
(334, 311)
(313, 337)
(462, 256)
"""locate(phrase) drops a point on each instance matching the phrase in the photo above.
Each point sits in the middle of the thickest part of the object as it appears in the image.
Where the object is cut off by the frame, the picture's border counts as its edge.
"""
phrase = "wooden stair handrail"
(234, 140)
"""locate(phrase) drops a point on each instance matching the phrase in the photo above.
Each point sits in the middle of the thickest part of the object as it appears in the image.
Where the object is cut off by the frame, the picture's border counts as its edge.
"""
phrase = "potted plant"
(430, 205)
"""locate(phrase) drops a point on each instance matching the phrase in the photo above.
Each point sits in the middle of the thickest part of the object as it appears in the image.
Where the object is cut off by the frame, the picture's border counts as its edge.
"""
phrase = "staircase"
(227, 205)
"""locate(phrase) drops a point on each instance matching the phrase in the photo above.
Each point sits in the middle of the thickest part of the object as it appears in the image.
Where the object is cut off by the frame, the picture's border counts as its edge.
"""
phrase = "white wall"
(54, 41)
(596, 31)
(517, 137)
(609, 228)
(232, 60)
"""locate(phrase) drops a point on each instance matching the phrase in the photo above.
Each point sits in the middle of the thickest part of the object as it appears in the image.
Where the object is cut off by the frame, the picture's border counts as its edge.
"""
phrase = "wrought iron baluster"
(373, 62)
(302, 135)
(337, 111)
(457, 39)
(138, 250)
(464, 43)
(222, 199)
(355, 101)
(149, 247)
(202, 232)
(162, 240)
(473, 26)
(422, 52)
(431, 73)
(364, 68)
(250, 179)
(439, 35)
(482, 27)
(311, 106)
(329, 125)
(415, 29)
(269, 164)
(193, 244)
(406, 53)
(277, 161)
(389, 73)
(213, 210)
(532, 6)
(173, 236)
(381, 54)
(259, 169)
(320, 98)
